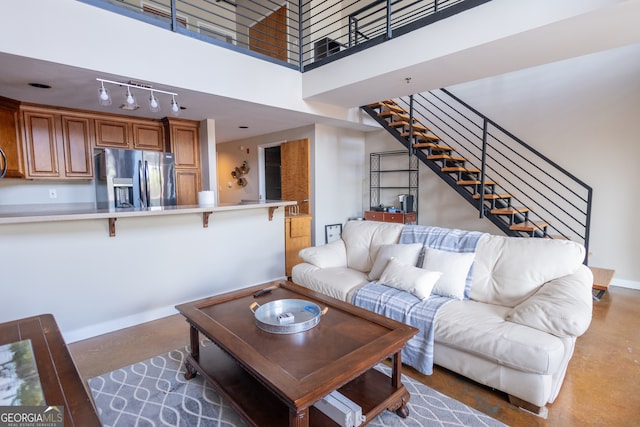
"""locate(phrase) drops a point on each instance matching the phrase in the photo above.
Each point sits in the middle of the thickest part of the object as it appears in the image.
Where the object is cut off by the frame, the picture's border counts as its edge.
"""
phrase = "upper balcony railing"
(298, 34)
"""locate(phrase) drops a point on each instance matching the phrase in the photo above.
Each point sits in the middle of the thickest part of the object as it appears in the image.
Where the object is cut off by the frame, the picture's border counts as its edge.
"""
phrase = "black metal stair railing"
(513, 185)
(299, 34)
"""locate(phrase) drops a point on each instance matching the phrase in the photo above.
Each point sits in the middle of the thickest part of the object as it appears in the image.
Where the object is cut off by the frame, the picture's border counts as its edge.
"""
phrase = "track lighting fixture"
(104, 97)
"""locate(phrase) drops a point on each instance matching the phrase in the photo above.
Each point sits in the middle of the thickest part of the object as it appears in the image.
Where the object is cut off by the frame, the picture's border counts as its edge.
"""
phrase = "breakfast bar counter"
(21, 214)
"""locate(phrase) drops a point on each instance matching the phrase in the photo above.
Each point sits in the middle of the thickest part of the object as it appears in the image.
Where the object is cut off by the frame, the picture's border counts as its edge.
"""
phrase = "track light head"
(103, 95)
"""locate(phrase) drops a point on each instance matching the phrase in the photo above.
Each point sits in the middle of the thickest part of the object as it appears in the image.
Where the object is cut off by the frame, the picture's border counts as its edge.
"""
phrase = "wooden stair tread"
(433, 146)
(474, 182)
(459, 169)
(510, 210)
(493, 196)
(393, 115)
(421, 135)
(405, 123)
(395, 108)
(529, 226)
(439, 157)
(457, 158)
(428, 137)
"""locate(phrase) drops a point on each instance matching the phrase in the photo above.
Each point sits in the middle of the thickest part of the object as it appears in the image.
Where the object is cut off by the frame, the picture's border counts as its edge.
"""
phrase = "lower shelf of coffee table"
(373, 391)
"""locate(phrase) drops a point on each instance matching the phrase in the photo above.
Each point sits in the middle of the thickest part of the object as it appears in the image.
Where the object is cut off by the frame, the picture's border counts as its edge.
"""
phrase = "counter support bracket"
(272, 209)
(205, 219)
(112, 227)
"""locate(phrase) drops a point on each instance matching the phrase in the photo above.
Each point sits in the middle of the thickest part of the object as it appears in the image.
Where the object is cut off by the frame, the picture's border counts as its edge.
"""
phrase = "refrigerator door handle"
(142, 185)
(147, 188)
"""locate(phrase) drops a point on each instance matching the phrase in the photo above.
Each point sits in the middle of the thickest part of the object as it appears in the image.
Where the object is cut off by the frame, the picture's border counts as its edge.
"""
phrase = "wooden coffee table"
(274, 379)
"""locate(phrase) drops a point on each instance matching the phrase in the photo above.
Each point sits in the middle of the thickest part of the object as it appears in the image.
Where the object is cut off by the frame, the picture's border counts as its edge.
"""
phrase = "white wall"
(93, 283)
(577, 114)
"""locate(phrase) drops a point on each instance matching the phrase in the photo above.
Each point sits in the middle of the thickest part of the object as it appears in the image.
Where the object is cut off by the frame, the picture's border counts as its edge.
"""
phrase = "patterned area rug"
(154, 393)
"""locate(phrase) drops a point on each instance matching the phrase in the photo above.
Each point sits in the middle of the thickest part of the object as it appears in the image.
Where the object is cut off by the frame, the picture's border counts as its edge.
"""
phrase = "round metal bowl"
(287, 316)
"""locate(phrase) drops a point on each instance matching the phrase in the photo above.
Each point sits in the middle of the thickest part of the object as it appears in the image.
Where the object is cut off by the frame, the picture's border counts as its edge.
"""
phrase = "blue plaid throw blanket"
(404, 306)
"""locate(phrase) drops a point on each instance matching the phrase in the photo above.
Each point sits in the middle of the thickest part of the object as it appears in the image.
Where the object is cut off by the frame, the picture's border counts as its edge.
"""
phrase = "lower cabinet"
(297, 235)
(399, 217)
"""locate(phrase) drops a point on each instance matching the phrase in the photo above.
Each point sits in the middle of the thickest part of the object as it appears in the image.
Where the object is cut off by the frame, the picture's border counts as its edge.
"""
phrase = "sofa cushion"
(508, 270)
(481, 329)
(407, 254)
(454, 267)
(559, 307)
(337, 282)
(417, 281)
(330, 255)
(363, 239)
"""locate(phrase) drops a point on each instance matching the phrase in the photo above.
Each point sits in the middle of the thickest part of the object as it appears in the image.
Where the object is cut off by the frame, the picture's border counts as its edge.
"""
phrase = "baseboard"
(117, 324)
(132, 320)
(622, 283)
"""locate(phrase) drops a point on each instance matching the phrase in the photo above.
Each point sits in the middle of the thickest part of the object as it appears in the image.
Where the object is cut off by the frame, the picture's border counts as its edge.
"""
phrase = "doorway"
(272, 173)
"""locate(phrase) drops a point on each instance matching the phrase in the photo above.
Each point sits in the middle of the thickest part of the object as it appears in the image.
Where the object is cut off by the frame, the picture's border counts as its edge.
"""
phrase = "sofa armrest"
(333, 254)
(561, 307)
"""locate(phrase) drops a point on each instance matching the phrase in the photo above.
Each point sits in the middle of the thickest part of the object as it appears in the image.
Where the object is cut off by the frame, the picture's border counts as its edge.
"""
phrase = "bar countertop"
(20, 214)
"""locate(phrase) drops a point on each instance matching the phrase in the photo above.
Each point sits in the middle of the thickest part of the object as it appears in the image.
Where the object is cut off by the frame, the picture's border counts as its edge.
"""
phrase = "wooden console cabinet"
(402, 218)
(297, 236)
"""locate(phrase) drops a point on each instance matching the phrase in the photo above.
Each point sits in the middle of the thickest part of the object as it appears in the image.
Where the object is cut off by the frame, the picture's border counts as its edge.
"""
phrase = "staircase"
(515, 187)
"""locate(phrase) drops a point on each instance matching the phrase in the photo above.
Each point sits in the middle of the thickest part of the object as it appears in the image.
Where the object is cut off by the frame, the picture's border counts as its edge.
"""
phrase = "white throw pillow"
(405, 253)
(408, 278)
(454, 267)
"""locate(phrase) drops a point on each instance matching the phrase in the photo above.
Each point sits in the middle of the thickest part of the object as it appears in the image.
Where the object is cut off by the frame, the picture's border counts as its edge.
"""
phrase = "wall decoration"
(239, 172)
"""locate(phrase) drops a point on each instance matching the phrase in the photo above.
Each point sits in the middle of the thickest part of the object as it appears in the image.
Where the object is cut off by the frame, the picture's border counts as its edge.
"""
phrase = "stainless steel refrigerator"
(134, 179)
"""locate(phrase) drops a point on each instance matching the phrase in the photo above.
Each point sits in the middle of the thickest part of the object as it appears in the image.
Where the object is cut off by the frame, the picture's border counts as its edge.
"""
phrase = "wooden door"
(269, 36)
(296, 183)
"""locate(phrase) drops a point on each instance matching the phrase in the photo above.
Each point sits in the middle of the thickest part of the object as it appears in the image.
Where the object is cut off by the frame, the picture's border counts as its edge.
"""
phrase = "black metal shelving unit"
(378, 171)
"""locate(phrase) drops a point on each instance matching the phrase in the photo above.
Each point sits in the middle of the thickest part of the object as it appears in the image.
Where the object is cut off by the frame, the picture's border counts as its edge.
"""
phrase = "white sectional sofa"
(514, 329)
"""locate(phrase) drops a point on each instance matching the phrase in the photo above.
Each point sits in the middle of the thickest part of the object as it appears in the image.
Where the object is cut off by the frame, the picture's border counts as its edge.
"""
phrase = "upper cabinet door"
(40, 144)
(295, 169)
(77, 145)
(148, 136)
(111, 133)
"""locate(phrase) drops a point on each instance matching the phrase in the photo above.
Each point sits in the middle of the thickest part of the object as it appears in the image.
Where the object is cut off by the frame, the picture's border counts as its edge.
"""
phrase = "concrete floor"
(601, 388)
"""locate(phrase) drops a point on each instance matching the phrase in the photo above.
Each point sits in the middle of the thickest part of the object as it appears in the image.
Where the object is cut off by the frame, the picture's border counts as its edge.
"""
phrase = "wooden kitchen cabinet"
(113, 133)
(77, 146)
(399, 217)
(297, 237)
(148, 135)
(57, 145)
(40, 144)
(10, 141)
(182, 138)
(129, 134)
